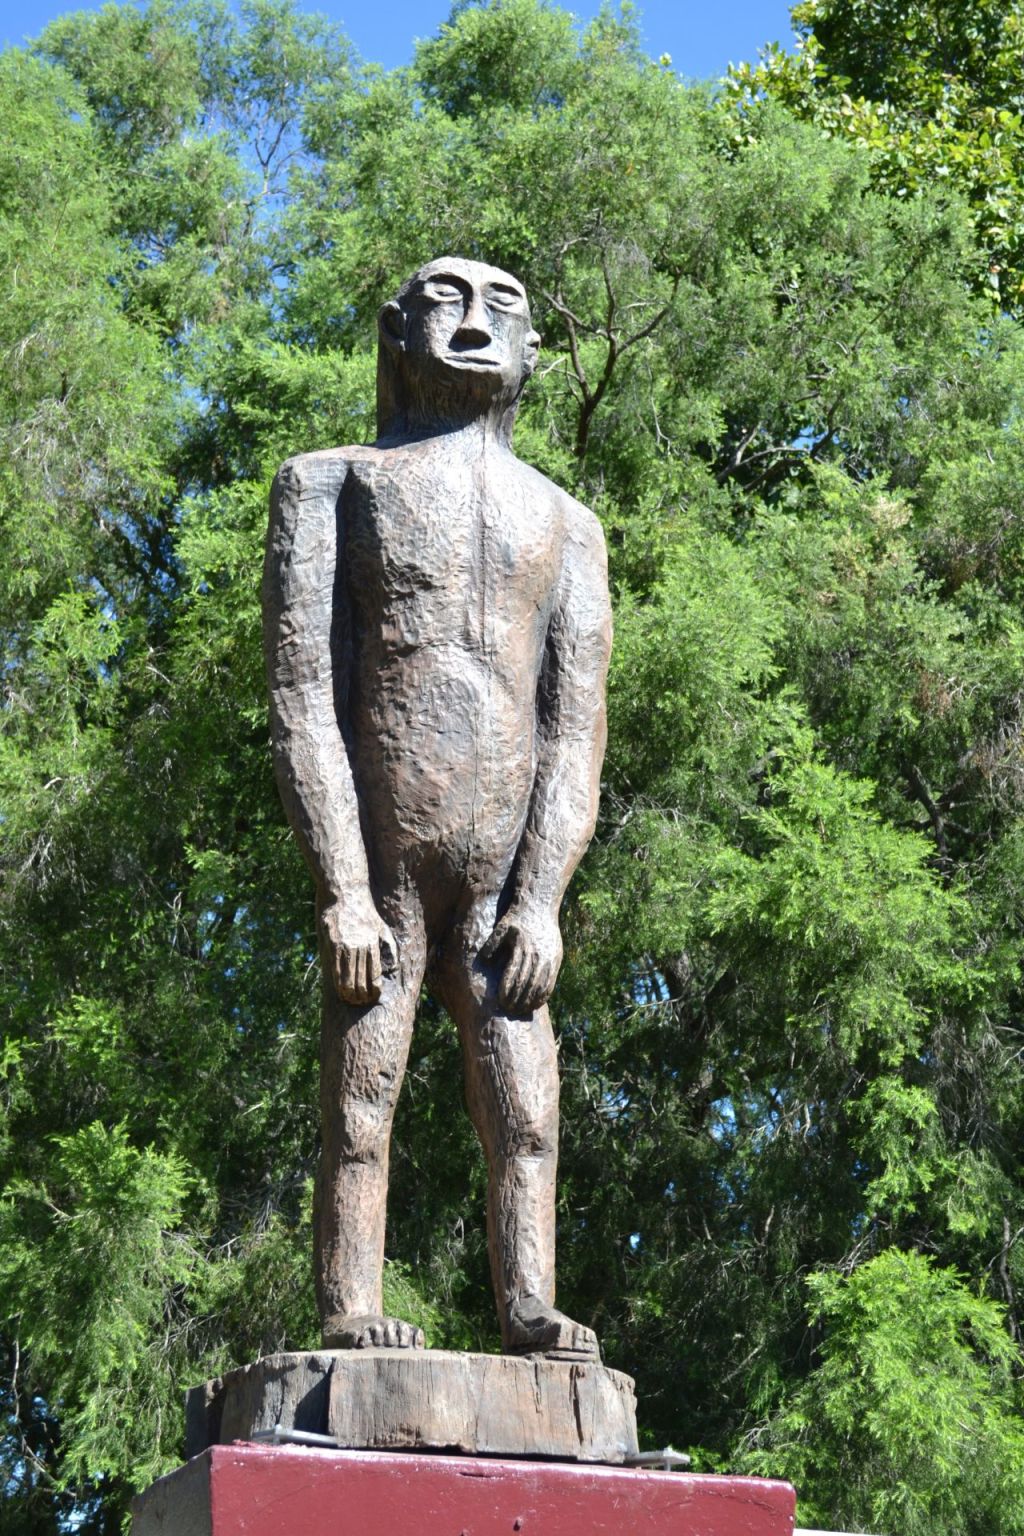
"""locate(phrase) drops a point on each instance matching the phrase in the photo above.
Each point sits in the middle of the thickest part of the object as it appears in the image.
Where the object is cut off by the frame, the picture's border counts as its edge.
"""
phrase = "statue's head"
(455, 344)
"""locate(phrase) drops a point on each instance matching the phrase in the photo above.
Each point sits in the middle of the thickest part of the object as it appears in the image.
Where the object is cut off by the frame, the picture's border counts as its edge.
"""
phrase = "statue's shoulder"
(323, 470)
(583, 530)
(580, 524)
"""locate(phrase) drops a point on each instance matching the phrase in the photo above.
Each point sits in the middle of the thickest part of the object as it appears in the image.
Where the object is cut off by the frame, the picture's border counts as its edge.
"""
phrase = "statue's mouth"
(472, 360)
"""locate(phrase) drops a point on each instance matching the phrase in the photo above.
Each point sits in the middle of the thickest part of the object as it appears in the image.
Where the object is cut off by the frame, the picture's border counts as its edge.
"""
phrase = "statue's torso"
(449, 567)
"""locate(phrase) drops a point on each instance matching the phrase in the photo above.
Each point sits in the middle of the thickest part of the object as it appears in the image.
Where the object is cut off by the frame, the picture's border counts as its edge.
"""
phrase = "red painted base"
(250, 1490)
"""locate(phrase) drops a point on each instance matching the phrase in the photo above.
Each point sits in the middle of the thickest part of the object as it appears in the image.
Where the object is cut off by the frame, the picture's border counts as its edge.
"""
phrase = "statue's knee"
(365, 1131)
(530, 1136)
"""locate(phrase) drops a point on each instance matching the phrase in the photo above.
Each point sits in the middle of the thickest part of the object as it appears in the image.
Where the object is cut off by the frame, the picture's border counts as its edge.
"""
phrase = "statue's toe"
(538, 1329)
(371, 1332)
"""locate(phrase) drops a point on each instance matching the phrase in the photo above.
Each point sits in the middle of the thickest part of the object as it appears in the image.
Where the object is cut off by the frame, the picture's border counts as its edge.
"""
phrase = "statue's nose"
(474, 330)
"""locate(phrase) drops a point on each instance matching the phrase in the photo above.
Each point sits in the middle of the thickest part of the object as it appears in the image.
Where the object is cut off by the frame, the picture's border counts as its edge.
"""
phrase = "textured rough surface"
(437, 629)
(291, 1390)
(391, 1399)
(257, 1491)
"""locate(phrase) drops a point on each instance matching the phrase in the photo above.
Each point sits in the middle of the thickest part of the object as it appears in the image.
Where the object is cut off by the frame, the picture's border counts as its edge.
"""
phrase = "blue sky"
(703, 38)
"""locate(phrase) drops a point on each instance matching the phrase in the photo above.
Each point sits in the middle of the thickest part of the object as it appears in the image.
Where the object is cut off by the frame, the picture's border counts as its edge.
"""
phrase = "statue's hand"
(359, 946)
(532, 946)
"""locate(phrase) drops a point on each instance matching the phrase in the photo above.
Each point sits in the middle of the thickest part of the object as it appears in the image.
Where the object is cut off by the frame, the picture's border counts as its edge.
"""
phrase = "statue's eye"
(444, 291)
(503, 298)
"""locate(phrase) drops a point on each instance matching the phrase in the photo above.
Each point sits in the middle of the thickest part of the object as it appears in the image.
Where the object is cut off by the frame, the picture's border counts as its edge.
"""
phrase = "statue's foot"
(367, 1331)
(535, 1329)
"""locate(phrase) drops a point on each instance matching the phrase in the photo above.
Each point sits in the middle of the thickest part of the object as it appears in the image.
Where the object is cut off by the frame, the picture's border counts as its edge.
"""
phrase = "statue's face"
(471, 319)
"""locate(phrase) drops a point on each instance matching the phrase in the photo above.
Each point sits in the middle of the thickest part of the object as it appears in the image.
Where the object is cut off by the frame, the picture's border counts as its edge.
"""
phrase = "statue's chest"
(425, 530)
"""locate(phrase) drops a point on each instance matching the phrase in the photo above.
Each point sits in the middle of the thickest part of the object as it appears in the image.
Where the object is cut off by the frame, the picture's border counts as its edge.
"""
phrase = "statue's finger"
(511, 975)
(528, 986)
(374, 968)
(546, 983)
(359, 974)
(539, 989)
(490, 948)
(517, 977)
(370, 988)
(510, 979)
(388, 950)
(345, 970)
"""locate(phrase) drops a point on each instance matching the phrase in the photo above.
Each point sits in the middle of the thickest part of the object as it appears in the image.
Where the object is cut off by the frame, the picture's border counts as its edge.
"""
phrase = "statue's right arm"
(307, 678)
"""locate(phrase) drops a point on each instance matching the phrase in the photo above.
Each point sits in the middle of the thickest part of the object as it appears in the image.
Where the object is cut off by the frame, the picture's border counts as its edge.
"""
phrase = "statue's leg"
(363, 1052)
(511, 1069)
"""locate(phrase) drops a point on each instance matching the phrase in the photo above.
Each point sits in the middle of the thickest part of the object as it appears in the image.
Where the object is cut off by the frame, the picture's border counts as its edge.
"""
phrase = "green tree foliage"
(933, 90)
(908, 1421)
(789, 1014)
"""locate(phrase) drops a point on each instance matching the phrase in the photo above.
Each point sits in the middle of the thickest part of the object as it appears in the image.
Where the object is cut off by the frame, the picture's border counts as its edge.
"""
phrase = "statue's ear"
(531, 346)
(392, 325)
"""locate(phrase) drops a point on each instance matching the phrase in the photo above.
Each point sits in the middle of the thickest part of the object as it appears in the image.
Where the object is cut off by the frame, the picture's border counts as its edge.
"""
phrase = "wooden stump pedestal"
(400, 1399)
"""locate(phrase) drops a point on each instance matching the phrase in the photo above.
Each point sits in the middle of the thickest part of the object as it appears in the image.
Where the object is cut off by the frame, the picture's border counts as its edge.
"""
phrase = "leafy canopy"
(789, 1016)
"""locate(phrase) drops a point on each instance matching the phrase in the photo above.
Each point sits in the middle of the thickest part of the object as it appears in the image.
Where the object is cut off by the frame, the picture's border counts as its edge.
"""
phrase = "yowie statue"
(437, 634)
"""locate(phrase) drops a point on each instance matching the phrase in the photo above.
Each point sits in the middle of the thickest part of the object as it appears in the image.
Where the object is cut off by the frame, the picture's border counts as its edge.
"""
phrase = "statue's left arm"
(571, 736)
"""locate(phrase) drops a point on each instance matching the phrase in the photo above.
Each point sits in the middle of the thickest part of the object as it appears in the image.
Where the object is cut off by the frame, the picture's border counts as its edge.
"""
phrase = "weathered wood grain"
(397, 1399)
(437, 627)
